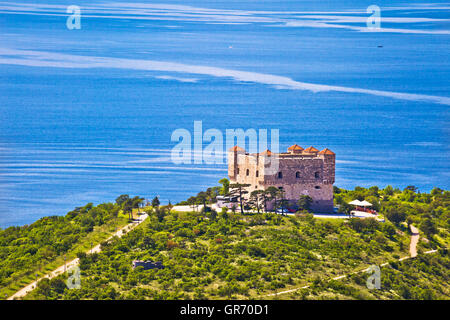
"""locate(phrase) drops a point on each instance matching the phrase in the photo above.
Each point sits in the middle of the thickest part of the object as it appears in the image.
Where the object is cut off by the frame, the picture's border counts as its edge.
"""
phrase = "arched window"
(248, 172)
(280, 175)
(297, 175)
(317, 174)
(257, 173)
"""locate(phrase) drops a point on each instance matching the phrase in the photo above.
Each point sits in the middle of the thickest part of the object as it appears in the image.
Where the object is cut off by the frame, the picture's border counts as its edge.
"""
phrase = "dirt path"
(61, 269)
(414, 241)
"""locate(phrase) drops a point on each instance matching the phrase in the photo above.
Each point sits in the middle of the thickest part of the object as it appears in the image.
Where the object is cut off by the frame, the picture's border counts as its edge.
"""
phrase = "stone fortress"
(298, 172)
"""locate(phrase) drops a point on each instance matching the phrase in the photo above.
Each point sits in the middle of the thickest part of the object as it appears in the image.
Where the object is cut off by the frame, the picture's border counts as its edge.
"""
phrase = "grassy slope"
(251, 256)
(425, 277)
(24, 277)
(235, 257)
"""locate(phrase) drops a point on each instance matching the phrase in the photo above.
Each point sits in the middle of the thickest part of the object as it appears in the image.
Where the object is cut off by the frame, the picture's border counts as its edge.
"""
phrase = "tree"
(411, 188)
(273, 193)
(436, 191)
(409, 221)
(428, 227)
(127, 207)
(160, 213)
(395, 215)
(213, 214)
(58, 285)
(374, 191)
(375, 203)
(336, 190)
(155, 202)
(202, 198)
(283, 204)
(304, 202)
(224, 212)
(338, 199)
(136, 202)
(225, 186)
(192, 201)
(407, 195)
(389, 191)
(345, 208)
(389, 230)
(122, 198)
(255, 199)
(169, 206)
(43, 287)
(265, 198)
(238, 190)
(213, 193)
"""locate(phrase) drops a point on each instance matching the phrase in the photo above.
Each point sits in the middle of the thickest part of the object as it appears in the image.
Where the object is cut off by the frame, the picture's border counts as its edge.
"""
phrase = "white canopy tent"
(361, 203)
(361, 207)
(356, 203)
(365, 203)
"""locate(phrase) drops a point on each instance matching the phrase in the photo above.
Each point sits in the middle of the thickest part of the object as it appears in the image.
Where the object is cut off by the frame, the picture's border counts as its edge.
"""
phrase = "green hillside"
(210, 255)
(44, 245)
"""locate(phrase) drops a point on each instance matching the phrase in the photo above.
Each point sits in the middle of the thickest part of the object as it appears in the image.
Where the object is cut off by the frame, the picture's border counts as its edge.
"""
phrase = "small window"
(317, 187)
(237, 170)
(248, 172)
(297, 175)
(280, 175)
(317, 174)
(280, 188)
(257, 173)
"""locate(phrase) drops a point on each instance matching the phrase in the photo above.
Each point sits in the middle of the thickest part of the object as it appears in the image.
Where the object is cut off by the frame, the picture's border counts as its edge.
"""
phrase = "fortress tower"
(299, 172)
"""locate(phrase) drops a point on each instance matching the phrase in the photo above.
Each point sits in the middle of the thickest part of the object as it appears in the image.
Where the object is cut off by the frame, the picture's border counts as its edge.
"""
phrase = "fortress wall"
(232, 159)
(306, 168)
(316, 176)
(251, 170)
(323, 197)
(329, 165)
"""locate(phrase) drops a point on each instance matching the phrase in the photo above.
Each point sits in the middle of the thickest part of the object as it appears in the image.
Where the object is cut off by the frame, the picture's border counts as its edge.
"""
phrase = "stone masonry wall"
(311, 175)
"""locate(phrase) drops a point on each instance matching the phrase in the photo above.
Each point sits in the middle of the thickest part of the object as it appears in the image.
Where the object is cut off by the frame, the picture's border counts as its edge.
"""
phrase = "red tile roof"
(237, 149)
(266, 153)
(295, 147)
(327, 151)
(311, 150)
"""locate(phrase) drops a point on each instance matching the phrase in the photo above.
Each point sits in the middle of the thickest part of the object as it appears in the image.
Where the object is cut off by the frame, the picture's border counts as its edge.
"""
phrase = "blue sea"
(87, 114)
